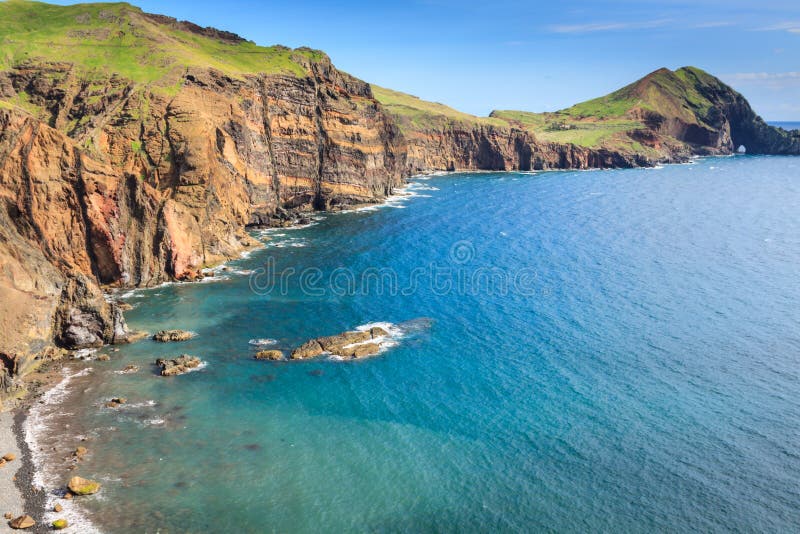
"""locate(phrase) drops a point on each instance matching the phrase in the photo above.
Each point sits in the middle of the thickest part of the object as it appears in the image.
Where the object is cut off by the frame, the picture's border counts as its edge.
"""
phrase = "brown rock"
(68, 496)
(309, 349)
(9, 457)
(83, 486)
(273, 355)
(173, 335)
(2, 462)
(377, 331)
(8, 515)
(22, 522)
(130, 369)
(58, 508)
(115, 402)
(80, 452)
(104, 358)
(178, 366)
(333, 343)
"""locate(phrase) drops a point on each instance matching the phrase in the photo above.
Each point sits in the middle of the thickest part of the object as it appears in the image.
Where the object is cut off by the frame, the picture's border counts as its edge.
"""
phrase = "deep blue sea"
(615, 351)
(786, 125)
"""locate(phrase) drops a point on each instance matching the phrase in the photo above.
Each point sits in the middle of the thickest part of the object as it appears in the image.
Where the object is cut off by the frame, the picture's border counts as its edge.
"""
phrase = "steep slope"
(136, 163)
(438, 137)
(666, 115)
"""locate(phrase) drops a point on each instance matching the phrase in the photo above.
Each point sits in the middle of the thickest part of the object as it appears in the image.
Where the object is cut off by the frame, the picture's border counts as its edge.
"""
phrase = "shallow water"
(638, 371)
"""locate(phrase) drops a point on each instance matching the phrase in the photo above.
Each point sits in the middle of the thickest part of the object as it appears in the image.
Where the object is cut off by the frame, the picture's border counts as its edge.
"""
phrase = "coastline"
(53, 377)
(27, 492)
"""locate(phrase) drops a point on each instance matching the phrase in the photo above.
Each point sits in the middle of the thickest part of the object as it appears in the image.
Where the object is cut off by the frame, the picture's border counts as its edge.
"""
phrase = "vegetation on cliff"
(117, 38)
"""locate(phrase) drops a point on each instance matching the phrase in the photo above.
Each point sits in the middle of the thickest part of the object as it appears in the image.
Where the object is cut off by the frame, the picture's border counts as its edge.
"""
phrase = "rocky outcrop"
(347, 345)
(166, 336)
(178, 366)
(272, 355)
(83, 486)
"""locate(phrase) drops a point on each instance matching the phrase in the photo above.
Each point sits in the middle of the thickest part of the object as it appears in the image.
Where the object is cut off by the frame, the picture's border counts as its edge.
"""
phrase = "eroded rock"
(178, 366)
(348, 345)
(83, 486)
(22, 522)
(272, 355)
(166, 336)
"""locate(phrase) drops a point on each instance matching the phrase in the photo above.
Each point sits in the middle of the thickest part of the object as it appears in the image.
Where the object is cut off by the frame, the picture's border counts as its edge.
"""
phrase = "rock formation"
(178, 366)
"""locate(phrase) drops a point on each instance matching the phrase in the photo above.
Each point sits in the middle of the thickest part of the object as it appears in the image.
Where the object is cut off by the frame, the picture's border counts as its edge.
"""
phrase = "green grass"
(413, 112)
(108, 38)
(561, 127)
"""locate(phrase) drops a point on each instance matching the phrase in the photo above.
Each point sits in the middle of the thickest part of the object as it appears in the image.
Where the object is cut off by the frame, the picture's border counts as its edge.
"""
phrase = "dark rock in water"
(173, 335)
(273, 355)
(178, 366)
(316, 372)
(115, 402)
(253, 447)
(260, 379)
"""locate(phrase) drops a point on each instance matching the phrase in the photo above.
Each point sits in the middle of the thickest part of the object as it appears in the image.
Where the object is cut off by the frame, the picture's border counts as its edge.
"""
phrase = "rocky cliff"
(136, 149)
(110, 181)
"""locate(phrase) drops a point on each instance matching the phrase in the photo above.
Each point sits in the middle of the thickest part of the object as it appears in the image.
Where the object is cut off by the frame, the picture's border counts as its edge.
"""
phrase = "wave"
(40, 420)
(262, 342)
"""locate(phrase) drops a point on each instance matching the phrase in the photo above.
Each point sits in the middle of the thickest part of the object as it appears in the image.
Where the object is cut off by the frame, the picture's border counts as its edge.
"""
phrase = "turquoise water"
(643, 373)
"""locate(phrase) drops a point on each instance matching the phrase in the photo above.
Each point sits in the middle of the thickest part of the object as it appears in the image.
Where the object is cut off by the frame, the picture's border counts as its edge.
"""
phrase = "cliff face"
(460, 147)
(113, 183)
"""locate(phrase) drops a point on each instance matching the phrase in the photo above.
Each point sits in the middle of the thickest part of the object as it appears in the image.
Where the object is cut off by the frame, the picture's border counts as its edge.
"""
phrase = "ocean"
(573, 351)
(786, 125)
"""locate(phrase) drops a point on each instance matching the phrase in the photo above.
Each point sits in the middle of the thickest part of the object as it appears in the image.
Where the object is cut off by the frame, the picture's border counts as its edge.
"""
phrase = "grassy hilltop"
(120, 38)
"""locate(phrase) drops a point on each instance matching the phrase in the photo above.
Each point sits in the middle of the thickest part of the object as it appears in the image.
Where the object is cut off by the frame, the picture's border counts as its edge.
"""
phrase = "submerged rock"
(273, 355)
(173, 335)
(130, 369)
(22, 522)
(178, 366)
(83, 486)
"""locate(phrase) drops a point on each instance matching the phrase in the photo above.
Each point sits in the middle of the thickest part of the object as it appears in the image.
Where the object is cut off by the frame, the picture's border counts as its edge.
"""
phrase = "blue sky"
(537, 56)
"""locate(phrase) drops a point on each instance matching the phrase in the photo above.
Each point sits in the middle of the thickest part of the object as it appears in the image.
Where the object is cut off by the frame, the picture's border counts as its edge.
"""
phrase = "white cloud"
(791, 27)
(743, 76)
(767, 80)
(608, 26)
(634, 25)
